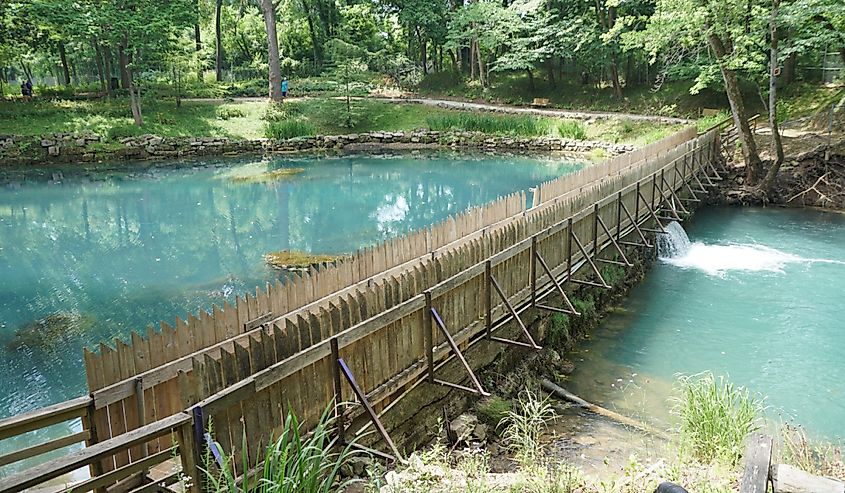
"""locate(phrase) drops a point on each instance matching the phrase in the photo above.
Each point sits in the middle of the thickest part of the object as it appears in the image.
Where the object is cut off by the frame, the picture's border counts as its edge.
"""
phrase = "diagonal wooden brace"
(639, 231)
(694, 197)
(674, 197)
(619, 249)
(531, 344)
(596, 271)
(479, 390)
(662, 230)
(371, 413)
(571, 308)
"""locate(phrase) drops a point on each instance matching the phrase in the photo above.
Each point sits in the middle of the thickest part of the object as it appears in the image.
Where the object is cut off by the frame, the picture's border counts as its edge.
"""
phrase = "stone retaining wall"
(88, 148)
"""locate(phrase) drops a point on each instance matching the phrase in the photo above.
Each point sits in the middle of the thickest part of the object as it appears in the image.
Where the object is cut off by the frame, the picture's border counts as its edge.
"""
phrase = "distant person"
(29, 87)
(26, 90)
(285, 87)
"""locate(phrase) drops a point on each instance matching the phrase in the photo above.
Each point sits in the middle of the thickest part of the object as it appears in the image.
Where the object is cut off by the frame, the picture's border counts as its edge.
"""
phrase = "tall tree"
(268, 9)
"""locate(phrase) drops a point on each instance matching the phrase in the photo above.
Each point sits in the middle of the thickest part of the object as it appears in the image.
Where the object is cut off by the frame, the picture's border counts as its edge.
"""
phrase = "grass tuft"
(523, 427)
(571, 129)
(289, 129)
(516, 125)
(716, 417)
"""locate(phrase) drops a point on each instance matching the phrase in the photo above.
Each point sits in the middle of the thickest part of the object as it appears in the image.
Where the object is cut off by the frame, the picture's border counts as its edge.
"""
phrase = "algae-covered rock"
(47, 334)
(252, 174)
(293, 260)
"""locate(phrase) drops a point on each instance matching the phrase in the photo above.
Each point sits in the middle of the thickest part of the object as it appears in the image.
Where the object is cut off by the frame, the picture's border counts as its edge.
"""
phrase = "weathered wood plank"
(758, 456)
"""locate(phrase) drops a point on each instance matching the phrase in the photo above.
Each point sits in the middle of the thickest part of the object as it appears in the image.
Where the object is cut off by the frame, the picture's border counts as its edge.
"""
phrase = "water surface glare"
(758, 296)
(89, 256)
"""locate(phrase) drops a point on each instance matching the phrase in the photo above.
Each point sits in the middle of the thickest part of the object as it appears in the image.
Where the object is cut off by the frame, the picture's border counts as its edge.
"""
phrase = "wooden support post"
(478, 388)
(596, 231)
(560, 290)
(189, 458)
(533, 273)
(89, 424)
(758, 456)
(362, 398)
(596, 271)
(488, 299)
(637, 205)
(531, 344)
(569, 250)
(674, 196)
(338, 392)
(142, 417)
(428, 336)
(619, 216)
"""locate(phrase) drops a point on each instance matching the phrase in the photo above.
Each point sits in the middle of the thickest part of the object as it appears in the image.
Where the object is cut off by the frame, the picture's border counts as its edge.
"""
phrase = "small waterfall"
(674, 244)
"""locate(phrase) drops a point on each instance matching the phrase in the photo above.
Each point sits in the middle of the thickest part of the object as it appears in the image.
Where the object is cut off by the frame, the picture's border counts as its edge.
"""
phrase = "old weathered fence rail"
(394, 315)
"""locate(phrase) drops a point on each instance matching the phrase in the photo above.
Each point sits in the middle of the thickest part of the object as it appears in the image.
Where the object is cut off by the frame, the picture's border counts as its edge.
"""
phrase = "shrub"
(571, 129)
(293, 463)
(522, 125)
(276, 112)
(289, 129)
(559, 333)
(228, 112)
(716, 417)
(120, 131)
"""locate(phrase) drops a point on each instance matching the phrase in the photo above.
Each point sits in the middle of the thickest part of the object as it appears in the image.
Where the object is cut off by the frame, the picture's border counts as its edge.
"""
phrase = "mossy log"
(293, 260)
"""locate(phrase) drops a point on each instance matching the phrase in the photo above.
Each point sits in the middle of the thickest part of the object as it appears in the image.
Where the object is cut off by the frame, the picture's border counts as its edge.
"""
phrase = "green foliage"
(524, 425)
(559, 331)
(295, 462)
(289, 129)
(715, 417)
(613, 273)
(229, 112)
(586, 306)
(516, 125)
(493, 410)
(571, 129)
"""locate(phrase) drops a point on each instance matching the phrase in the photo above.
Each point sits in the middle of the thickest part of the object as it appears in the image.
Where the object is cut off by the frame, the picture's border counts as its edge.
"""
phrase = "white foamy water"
(676, 249)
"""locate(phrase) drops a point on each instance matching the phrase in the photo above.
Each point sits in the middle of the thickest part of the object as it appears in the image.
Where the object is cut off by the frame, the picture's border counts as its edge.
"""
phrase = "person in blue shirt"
(285, 87)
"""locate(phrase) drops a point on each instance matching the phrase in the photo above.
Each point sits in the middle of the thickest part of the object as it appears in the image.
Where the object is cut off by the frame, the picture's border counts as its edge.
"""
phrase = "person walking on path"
(285, 87)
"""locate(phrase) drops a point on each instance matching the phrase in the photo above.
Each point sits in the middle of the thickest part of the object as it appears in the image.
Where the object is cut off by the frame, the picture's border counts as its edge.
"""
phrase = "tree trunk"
(65, 67)
(482, 76)
(98, 59)
(753, 166)
(788, 75)
(107, 59)
(198, 48)
(423, 52)
(315, 43)
(122, 62)
(530, 80)
(472, 45)
(614, 75)
(218, 34)
(275, 70)
(551, 73)
(135, 102)
(769, 181)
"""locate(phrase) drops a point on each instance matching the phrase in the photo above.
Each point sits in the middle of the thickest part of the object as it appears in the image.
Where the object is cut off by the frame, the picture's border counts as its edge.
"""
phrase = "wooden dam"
(366, 331)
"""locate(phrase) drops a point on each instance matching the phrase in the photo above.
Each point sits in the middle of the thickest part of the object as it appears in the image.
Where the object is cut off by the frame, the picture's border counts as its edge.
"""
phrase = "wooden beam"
(43, 448)
(46, 416)
(758, 456)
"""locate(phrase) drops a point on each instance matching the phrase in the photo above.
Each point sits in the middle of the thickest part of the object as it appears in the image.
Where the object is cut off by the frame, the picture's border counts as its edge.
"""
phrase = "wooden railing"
(381, 329)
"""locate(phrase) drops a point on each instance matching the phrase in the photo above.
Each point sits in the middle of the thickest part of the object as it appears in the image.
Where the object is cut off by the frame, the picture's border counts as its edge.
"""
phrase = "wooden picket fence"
(245, 365)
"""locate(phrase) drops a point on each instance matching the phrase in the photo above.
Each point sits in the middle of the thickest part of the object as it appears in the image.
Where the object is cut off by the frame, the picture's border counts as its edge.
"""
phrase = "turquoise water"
(758, 297)
(89, 256)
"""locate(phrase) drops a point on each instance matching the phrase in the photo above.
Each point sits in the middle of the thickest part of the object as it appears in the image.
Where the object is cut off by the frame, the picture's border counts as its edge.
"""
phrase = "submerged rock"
(45, 334)
(266, 176)
(293, 260)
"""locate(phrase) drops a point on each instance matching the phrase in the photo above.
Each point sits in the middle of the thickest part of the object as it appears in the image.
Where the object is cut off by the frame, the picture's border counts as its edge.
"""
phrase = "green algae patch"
(48, 333)
(266, 176)
(295, 260)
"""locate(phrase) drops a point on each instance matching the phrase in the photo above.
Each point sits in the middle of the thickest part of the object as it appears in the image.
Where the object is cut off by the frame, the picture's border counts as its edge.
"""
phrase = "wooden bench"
(540, 103)
(709, 111)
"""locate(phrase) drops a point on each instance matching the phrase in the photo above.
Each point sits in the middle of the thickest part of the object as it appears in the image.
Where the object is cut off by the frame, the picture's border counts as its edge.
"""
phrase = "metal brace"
(478, 390)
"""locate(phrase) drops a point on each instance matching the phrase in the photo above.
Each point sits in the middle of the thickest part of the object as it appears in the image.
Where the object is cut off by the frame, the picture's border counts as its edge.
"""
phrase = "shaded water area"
(87, 256)
(756, 295)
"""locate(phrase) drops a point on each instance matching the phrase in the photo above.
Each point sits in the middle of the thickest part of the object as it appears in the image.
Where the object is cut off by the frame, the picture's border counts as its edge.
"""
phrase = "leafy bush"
(229, 112)
(716, 417)
(571, 129)
(522, 125)
(289, 129)
(293, 463)
(120, 131)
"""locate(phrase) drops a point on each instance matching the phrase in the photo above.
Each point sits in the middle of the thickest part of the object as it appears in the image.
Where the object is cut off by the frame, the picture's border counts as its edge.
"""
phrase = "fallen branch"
(822, 197)
(562, 393)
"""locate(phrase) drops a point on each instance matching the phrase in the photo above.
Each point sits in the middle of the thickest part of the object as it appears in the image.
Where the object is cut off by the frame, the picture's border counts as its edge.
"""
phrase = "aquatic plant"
(295, 462)
(571, 129)
(295, 260)
(524, 425)
(266, 176)
(517, 125)
(715, 417)
(289, 129)
(45, 334)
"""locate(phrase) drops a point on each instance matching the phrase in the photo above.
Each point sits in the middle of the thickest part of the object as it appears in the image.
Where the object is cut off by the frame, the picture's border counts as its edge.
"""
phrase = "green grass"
(715, 417)
(289, 129)
(295, 462)
(571, 129)
(516, 125)
(524, 425)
